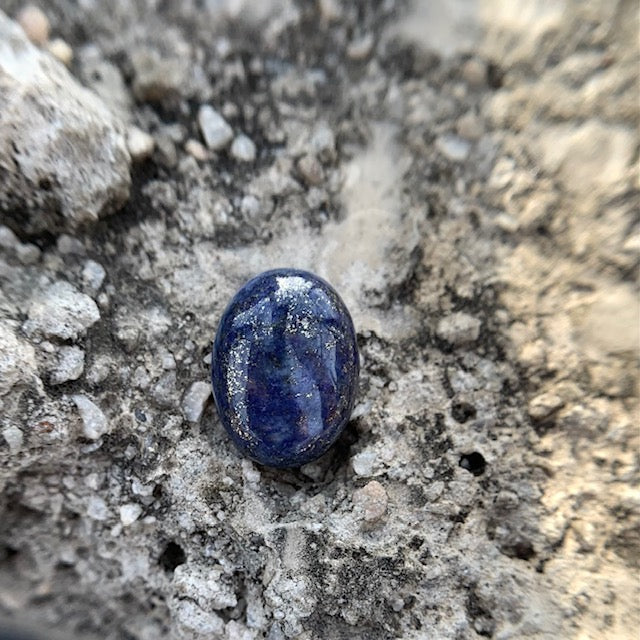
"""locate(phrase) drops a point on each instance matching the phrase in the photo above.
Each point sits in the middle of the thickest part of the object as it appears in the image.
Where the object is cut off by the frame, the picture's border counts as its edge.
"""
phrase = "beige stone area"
(573, 293)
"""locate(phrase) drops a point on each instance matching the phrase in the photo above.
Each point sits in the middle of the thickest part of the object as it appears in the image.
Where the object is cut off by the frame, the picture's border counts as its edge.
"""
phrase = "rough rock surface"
(61, 311)
(465, 175)
(63, 157)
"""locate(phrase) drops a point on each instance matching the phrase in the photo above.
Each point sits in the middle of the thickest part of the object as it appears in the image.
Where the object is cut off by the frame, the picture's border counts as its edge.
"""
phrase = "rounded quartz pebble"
(284, 367)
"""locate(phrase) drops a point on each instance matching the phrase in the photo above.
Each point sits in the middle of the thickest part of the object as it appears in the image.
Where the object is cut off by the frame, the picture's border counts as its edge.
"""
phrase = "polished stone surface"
(285, 367)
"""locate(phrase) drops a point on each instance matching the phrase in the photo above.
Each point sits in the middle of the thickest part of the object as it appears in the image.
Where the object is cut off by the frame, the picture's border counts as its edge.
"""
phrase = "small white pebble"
(543, 405)
(67, 555)
(129, 513)
(236, 631)
(311, 170)
(230, 110)
(8, 239)
(372, 500)
(69, 365)
(13, 437)
(397, 604)
(94, 422)
(507, 500)
(99, 371)
(330, 10)
(453, 147)
(475, 72)
(507, 222)
(195, 400)
(130, 452)
(142, 489)
(61, 50)
(503, 173)
(140, 144)
(140, 378)
(323, 142)
(243, 149)
(250, 473)
(93, 480)
(314, 470)
(93, 274)
(27, 253)
(250, 206)
(97, 508)
(196, 150)
(61, 311)
(67, 244)
(364, 462)
(223, 47)
(167, 361)
(361, 48)
(434, 490)
(533, 354)
(34, 23)
(632, 243)
(388, 453)
(103, 301)
(361, 409)
(215, 129)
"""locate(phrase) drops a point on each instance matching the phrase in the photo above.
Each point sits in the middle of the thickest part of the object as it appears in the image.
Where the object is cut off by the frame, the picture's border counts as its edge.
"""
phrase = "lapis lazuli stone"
(284, 367)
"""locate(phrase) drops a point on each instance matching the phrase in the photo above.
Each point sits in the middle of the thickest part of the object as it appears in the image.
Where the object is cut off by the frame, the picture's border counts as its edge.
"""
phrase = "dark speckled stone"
(285, 367)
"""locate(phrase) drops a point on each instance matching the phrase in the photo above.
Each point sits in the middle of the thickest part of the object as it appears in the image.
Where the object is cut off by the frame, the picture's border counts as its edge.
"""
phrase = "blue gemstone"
(284, 367)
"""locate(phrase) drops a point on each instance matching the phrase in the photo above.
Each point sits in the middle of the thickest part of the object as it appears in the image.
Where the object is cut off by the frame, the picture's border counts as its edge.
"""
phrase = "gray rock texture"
(63, 158)
(465, 175)
(215, 129)
(61, 312)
